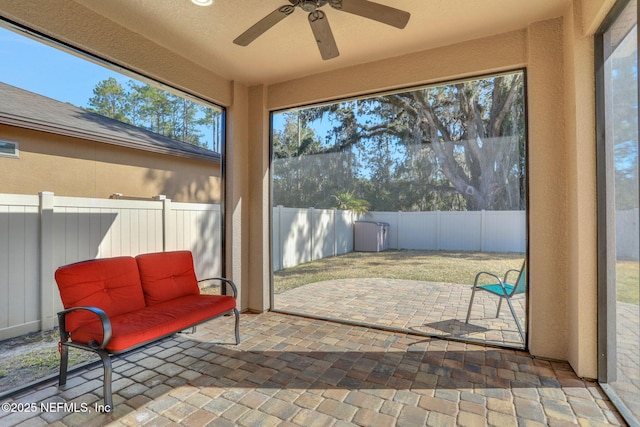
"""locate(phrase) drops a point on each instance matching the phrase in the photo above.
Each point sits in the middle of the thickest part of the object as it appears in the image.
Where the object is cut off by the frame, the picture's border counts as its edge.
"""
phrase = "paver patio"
(427, 307)
(291, 370)
(441, 308)
(627, 384)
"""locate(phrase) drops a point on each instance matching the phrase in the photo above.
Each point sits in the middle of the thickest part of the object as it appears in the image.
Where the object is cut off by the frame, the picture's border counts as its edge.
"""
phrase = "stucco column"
(581, 21)
(237, 204)
(260, 217)
(548, 192)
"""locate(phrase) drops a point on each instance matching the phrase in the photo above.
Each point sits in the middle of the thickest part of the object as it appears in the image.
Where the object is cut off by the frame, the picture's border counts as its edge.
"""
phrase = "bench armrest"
(227, 281)
(104, 319)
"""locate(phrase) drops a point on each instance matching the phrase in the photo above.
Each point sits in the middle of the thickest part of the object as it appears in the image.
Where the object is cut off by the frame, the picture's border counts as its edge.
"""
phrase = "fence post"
(334, 212)
(398, 231)
(482, 230)
(311, 214)
(279, 242)
(47, 285)
(168, 226)
(438, 230)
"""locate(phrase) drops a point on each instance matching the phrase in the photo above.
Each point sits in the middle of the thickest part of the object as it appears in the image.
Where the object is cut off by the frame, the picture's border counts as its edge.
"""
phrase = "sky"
(36, 67)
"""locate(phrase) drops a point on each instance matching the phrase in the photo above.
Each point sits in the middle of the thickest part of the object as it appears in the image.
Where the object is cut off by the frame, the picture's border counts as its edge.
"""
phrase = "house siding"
(82, 168)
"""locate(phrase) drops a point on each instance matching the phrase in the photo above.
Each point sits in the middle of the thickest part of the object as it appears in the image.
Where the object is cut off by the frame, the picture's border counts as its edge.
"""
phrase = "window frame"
(402, 89)
(606, 260)
(16, 149)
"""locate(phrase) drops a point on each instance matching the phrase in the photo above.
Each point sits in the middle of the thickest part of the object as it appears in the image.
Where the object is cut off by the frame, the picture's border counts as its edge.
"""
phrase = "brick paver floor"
(426, 307)
(440, 309)
(627, 384)
(295, 371)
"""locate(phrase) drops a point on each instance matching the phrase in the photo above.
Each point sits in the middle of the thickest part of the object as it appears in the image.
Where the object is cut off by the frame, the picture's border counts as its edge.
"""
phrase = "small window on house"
(9, 149)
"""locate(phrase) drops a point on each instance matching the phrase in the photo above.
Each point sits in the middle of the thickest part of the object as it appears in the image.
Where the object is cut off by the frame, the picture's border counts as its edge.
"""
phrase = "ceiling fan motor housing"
(309, 5)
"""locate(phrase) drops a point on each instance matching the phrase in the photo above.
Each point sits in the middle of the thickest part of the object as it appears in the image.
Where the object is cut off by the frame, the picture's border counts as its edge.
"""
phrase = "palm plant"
(347, 201)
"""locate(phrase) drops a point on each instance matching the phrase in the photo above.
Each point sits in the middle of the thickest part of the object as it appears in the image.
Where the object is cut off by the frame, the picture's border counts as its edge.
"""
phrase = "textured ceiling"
(288, 50)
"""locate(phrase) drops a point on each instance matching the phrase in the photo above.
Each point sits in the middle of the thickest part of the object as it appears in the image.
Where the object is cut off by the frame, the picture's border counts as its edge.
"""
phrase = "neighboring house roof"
(29, 110)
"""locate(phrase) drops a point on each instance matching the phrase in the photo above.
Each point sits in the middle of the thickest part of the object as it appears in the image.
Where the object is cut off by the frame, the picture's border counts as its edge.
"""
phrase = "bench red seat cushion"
(167, 275)
(144, 325)
(112, 284)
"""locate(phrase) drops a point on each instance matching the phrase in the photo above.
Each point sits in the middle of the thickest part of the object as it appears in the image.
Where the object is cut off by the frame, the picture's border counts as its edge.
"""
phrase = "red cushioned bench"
(113, 305)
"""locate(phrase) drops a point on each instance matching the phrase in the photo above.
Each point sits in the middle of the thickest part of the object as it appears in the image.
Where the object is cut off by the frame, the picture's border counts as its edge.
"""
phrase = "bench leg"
(237, 326)
(64, 363)
(106, 386)
(106, 363)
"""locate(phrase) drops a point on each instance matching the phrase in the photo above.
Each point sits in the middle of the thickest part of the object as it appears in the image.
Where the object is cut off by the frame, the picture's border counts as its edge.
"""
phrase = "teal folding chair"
(504, 289)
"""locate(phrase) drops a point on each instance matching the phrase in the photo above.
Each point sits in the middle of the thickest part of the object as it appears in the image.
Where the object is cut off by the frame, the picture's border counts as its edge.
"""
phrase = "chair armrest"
(506, 274)
(227, 281)
(475, 282)
(104, 319)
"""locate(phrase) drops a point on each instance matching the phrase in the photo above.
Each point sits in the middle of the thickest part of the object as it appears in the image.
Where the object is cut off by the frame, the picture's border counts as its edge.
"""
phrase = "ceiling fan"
(319, 23)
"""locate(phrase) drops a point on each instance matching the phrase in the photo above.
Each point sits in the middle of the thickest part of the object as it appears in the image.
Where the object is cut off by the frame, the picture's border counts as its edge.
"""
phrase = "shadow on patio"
(290, 370)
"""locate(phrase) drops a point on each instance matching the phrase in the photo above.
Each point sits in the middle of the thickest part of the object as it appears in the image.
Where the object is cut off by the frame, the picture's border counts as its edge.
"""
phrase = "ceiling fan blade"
(263, 25)
(376, 11)
(324, 36)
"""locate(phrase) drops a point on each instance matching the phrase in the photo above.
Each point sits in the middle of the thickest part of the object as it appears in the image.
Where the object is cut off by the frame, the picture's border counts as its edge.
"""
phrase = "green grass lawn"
(428, 266)
(627, 281)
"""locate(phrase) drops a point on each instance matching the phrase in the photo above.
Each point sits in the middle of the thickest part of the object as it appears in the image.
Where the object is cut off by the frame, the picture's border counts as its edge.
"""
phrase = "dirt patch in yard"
(32, 357)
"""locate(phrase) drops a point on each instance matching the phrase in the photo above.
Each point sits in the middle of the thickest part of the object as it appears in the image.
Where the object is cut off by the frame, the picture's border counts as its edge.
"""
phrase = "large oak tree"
(459, 146)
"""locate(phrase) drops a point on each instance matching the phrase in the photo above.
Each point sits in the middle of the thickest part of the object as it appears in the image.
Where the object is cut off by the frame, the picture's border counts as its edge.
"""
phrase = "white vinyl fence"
(628, 234)
(40, 233)
(476, 231)
(303, 235)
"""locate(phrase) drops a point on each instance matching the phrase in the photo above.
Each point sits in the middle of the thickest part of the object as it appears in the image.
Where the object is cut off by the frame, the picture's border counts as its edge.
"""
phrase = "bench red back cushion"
(111, 284)
(167, 275)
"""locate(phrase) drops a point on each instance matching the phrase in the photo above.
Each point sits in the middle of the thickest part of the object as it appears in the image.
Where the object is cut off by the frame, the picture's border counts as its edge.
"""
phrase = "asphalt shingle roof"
(26, 109)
